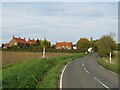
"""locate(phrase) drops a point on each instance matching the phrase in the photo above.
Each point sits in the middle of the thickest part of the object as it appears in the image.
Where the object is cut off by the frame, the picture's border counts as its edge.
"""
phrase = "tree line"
(103, 46)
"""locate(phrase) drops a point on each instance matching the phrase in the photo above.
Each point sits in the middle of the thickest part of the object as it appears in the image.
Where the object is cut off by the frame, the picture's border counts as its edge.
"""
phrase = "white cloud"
(67, 22)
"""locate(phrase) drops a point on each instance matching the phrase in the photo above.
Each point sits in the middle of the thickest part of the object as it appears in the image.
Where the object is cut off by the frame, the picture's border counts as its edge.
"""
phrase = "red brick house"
(5, 46)
(18, 42)
(31, 42)
(63, 45)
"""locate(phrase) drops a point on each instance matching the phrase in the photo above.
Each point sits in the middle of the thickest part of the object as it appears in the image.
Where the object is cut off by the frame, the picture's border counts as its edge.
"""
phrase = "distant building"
(18, 42)
(5, 46)
(63, 45)
(74, 46)
(32, 42)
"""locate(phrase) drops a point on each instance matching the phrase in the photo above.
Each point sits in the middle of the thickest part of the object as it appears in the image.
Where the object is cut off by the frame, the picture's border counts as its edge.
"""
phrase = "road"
(86, 73)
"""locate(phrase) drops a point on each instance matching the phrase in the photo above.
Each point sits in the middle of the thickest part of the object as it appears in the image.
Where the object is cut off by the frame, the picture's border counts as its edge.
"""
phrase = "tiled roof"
(31, 41)
(6, 45)
(20, 40)
(64, 44)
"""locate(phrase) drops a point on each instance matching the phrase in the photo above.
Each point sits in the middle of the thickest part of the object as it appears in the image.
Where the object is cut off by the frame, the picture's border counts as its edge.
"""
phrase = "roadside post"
(110, 57)
(44, 52)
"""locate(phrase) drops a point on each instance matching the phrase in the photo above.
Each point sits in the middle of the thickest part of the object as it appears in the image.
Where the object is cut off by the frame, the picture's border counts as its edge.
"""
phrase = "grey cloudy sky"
(59, 21)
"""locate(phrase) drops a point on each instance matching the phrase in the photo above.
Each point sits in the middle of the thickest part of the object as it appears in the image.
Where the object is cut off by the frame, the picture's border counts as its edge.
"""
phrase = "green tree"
(38, 42)
(95, 45)
(118, 48)
(83, 44)
(106, 45)
(2, 45)
(53, 46)
(45, 44)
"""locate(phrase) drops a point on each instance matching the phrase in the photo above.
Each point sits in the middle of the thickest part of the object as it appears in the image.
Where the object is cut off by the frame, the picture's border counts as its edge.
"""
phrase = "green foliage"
(2, 45)
(106, 45)
(45, 43)
(51, 79)
(37, 73)
(83, 44)
(25, 75)
(118, 48)
(64, 50)
(38, 42)
(53, 46)
(114, 66)
(95, 45)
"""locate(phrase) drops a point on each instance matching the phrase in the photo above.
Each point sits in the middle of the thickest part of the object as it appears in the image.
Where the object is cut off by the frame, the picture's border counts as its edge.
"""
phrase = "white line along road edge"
(101, 83)
(62, 75)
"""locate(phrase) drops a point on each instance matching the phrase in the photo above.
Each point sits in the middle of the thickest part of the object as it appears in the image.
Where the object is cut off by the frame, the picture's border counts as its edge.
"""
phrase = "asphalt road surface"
(86, 73)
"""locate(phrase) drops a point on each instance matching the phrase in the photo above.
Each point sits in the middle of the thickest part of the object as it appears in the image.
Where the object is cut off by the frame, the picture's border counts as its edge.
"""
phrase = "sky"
(59, 21)
(60, 0)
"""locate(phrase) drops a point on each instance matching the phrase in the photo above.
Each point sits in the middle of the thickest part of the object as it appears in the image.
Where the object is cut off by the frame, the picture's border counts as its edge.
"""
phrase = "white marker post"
(110, 57)
(44, 52)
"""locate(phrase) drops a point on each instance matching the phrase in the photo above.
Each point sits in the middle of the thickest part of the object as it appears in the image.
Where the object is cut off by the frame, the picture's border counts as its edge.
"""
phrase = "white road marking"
(62, 75)
(101, 83)
(86, 70)
(101, 66)
(113, 72)
(82, 64)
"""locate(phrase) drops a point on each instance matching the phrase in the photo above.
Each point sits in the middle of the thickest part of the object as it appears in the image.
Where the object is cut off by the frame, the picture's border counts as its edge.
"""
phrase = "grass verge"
(36, 73)
(113, 66)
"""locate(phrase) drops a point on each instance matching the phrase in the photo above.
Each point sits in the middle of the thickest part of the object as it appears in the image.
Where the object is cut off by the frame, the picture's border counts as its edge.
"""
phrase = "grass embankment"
(113, 66)
(37, 73)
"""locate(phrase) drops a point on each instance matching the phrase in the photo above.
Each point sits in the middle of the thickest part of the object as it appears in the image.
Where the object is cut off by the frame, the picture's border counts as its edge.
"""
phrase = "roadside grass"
(113, 66)
(36, 73)
(51, 79)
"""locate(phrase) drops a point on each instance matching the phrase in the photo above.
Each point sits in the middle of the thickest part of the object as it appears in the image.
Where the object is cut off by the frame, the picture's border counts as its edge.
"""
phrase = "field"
(113, 66)
(13, 57)
(35, 73)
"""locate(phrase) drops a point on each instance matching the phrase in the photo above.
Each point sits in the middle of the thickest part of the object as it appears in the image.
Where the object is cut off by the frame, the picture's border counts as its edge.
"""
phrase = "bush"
(106, 45)
(34, 48)
(64, 50)
(27, 74)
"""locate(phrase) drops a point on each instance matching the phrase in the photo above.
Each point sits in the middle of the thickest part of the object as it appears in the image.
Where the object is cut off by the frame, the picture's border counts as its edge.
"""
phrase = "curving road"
(86, 73)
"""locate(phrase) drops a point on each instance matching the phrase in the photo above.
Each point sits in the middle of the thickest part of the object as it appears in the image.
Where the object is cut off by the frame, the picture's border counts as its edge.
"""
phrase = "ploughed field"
(14, 57)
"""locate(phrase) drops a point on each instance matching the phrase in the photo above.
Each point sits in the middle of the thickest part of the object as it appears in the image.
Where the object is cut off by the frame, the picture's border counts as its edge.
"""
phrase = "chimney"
(13, 36)
(28, 38)
(24, 38)
(33, 39)
(19, 37)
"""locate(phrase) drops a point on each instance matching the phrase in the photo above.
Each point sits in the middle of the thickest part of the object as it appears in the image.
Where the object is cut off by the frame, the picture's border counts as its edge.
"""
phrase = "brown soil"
(13, 57)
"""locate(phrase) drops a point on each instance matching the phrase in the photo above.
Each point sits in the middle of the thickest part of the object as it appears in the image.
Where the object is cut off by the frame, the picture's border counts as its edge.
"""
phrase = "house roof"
(32, 41)
(63, 43)
(6, 45)
(20, 40)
